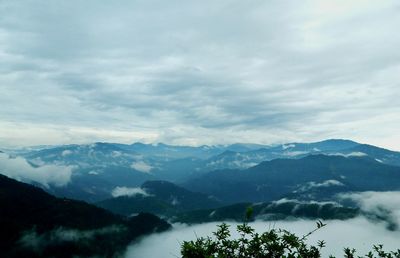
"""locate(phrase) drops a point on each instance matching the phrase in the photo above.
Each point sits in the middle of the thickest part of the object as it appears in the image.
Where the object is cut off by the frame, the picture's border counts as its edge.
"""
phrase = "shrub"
(275, 243)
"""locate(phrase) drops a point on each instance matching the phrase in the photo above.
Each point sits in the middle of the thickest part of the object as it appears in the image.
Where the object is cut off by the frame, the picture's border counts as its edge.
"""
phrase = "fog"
(358, 233)
(21, 170)
(384, 205)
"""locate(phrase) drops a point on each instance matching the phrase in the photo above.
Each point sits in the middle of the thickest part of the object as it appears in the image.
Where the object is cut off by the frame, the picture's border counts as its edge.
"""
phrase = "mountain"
(168, 152)
(178, 196)
(37, 224)
(245, 147)
(279, 210)
(242, 160)
(160, 197)
(179, 170)
(379, 154)
(274, 179)
(180, 205)
(326, 145)
(85, 155)
(180, 152)
(158, 158)
(99, 168)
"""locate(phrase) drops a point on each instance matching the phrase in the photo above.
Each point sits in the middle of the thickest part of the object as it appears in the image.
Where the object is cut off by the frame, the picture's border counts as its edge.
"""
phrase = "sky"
(199, 72)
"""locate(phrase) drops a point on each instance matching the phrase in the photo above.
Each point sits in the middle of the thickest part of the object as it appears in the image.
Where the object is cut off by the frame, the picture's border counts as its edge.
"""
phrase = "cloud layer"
(380, 225)
(383, 205)
(19, 169)
(358, 233)
(193, 73)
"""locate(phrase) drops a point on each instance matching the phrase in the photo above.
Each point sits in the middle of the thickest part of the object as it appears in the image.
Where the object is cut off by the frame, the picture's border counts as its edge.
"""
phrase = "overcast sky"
(199, 72)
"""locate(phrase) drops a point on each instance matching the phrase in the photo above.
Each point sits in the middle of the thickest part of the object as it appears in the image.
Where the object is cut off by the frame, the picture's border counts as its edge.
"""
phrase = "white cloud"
(66, 153)
(141, 166)
(383, 204)
(289, 146)
(294, 153)
(19, 169)
(128, 191)
(285, 200)
(326, 183)
(352, 154)
(358, 233)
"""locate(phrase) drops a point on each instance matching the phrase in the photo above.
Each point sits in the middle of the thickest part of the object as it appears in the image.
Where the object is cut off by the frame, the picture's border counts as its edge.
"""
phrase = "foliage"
(273, 243)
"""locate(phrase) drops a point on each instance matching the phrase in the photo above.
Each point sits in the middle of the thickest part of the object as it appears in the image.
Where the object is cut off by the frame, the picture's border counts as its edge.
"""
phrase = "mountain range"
(272, 180)
(100, 167)
(160, 197)
(183, 178)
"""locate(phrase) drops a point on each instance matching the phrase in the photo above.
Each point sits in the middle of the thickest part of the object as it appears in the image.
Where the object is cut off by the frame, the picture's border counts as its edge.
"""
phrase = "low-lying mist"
(359, 233)
(378, 225)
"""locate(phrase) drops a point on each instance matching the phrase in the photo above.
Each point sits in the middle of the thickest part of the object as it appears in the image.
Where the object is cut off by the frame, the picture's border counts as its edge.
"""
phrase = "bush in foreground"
(275, 243)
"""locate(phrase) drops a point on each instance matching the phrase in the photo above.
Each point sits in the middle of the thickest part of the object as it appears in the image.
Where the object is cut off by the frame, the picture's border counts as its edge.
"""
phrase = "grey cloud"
(264, 71)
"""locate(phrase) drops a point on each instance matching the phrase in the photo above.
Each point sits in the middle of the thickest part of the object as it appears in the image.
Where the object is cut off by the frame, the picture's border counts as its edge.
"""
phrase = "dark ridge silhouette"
(32, 224)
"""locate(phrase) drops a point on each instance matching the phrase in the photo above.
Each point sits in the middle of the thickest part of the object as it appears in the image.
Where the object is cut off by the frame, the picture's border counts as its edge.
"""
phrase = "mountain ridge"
(273, 179)
(29, 215)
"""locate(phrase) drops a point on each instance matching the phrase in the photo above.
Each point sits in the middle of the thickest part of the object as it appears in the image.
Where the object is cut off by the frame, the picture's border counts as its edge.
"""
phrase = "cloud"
(352, 154)
(128, 191)
(141, 166)
(199, 73)
(19, 169)
(294, 153)
(359, 233)
(66, 153)
(326, 183)
(285, 200)
(382, 205)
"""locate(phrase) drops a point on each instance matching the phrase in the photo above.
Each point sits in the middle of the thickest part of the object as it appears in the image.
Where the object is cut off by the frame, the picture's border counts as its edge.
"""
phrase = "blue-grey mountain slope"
(274, 179)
